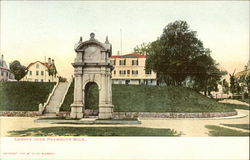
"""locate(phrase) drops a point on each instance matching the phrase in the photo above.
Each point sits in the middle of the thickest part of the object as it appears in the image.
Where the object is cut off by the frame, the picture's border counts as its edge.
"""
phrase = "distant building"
(245, 72)
(41, 71)
(130, 69)
(242, 77)
(5, 74)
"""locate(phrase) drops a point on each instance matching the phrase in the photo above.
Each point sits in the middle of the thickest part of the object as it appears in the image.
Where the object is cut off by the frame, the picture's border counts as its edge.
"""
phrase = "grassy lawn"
(237, 106)
(221, 131)
(94, 131)
(241, 126)
(23, 96)
(135, 98)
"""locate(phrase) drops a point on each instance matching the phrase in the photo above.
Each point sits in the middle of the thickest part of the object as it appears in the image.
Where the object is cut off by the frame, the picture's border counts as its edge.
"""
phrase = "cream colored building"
(39, 72)
(130, 69)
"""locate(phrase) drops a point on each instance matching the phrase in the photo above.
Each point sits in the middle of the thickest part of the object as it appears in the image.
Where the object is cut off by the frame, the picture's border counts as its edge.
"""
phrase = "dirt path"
(189, 127)
(194, 128)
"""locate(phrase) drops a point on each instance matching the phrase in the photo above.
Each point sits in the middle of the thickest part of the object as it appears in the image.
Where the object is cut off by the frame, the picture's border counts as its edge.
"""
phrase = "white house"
(130, 69)
(41, 71)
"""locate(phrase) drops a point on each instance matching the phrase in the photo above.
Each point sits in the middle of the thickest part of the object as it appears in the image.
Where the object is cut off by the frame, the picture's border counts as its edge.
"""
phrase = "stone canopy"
(92, 65)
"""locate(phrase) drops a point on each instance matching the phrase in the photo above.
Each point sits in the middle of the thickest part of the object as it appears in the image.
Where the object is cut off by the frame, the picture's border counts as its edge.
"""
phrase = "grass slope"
(23, 96)
(94, 131)
(240, 126)
(221, 131)
(135, 98)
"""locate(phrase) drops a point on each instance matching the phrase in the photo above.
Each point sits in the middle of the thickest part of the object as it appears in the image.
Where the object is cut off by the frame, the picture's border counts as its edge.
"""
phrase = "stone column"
(105, 106)
(110, 89)
(76, 107)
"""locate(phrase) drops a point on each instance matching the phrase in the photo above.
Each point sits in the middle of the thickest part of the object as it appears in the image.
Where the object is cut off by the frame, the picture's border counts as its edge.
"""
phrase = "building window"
(41, 80)
(122, 72)
(122, 62)
(134, 62)
(128, 71)
(113, 62)
(135, 72)
(30, 73)
(114, 72)
(37, 73)
(37, 65)
(148, 72)
(7, 74)
(2, 73)
(42, 73)
(36, 80)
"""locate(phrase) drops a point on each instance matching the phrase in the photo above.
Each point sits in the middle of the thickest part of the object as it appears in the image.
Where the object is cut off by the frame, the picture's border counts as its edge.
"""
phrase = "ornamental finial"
(107, 40)
(92, 35)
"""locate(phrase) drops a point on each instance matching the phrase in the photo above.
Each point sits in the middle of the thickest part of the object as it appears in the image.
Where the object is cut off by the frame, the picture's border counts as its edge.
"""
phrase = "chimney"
(49, 61)
(53, 61)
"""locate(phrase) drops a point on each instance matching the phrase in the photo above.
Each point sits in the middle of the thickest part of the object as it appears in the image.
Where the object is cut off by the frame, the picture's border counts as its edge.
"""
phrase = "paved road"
(188, 127)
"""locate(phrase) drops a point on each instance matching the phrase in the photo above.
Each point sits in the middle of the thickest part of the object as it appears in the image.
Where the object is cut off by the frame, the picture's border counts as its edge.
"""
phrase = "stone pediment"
(92, 51)
(81, 46)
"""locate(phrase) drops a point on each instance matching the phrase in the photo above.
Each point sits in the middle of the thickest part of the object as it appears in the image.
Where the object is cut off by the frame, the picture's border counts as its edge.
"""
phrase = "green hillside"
(134, 98)
(23, 96)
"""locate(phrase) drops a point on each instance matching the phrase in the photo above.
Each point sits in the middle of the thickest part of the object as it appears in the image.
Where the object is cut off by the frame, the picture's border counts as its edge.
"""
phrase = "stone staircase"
(56, 99)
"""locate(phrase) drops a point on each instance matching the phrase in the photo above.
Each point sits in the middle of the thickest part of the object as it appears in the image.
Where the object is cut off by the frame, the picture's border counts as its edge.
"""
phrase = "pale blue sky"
(31, 30)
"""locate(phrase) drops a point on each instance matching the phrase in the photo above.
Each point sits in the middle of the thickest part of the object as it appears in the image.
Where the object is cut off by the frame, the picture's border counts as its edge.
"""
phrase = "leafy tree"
(52, 71)
(207, 75)
(142, 49)
(18, 70)
(248, 83)
(233, 83)
(62, 79)
(178, 55)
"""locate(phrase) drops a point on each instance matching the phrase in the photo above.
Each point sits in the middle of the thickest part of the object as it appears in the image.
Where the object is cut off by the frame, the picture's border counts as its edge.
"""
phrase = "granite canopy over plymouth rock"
(92, 65)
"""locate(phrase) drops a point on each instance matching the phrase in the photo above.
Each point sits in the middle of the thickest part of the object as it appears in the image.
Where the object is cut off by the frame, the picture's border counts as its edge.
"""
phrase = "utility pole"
(121, 41)
(45, 69)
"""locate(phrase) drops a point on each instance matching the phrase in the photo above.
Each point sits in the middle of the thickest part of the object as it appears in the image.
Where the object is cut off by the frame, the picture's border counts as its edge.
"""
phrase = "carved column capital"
(78, 72)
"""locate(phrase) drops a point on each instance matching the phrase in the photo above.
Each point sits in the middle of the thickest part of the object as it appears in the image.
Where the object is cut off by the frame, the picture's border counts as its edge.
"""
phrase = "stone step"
(57, 97)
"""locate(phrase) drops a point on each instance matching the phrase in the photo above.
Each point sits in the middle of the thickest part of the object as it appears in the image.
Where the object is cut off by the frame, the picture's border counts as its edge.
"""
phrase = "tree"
(178, 54)
(143, 48)
(18, 70)
(52, 71)
(248, 83)
(207, 75)
(233, 83)
(62, 79)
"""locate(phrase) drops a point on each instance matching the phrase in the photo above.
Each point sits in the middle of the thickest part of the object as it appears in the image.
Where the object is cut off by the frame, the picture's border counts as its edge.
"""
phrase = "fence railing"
(41, 107)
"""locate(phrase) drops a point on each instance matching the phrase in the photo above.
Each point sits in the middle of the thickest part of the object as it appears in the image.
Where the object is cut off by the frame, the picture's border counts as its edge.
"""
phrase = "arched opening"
(91, 99)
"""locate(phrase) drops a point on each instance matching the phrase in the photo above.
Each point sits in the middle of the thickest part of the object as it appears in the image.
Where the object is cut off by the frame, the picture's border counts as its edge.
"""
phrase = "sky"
(33, 30)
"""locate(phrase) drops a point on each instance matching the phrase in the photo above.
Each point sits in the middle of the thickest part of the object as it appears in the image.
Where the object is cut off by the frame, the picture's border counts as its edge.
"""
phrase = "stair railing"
(43, 107)
(65, 93)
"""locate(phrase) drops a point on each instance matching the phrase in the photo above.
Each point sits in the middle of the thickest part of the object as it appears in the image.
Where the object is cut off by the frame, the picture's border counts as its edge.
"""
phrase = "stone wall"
(171, 115)
(19, 113)
(126, 114)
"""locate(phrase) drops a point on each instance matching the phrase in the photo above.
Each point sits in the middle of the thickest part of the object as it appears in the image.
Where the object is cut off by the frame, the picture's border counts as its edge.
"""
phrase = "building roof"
(46, 64)
(242, 73)
(131, 55)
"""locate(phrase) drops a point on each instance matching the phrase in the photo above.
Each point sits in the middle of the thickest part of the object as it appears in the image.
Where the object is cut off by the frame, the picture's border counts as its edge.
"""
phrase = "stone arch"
(91, 98)
(92, 64)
